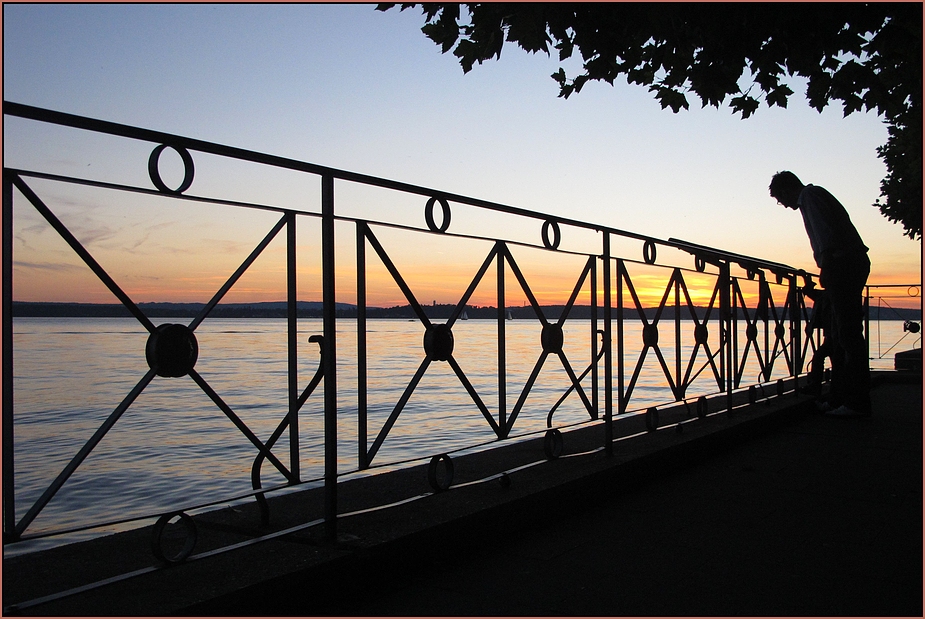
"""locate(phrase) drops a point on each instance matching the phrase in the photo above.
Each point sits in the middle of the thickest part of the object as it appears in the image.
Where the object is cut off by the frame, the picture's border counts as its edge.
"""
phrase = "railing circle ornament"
(700, 264)
(914, 291)
(648, 252)
(165, 534)
(429, 215)
(652, 419)
(751, 332)
(552, 338)
(155, 174)
(437, 481)
(172, 350)
(552, 444)
(780, 331)
(650, 335)
(556, 234)
(439, 342)
(703, 407)
(701, 333)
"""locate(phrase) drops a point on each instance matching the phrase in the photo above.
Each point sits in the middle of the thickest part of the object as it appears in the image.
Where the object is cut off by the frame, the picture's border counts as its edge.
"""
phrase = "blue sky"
(350, 87)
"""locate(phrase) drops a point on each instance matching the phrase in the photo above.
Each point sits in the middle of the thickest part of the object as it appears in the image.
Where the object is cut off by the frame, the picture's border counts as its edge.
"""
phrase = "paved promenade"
(774, 510)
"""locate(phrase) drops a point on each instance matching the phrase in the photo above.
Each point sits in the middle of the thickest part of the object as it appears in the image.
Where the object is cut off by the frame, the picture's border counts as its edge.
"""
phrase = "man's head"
(785, 188)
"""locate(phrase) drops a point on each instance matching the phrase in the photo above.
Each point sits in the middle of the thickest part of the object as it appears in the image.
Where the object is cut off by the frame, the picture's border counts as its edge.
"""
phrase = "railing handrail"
(30, 112)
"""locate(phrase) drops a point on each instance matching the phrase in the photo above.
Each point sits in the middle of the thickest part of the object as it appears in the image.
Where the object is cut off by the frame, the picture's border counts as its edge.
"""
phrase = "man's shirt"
(831, 233)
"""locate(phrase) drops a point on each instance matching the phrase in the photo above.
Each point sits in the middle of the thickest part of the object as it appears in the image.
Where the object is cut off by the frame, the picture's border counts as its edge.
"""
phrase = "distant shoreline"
(313, 309)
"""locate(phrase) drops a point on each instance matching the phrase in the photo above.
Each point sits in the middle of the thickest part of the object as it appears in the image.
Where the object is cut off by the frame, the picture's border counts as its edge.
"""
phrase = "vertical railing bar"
(729, 326)
(867, 319)
(595, 403)
(734, 308)
(621, 369)
(292, 345)
(502, 338)
(362, 367)
(9, 494)
(329, 357)
(677, 334)
(797, 335)
(608, 355)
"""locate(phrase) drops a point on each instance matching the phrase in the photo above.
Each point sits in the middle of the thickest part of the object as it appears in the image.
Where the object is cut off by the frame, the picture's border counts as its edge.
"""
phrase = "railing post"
(608, 350)
(796, 340)
(329, 357)
(293, 345)
(502, 345)
(725, 332)
(362, 400)
(9, 494)
(621, 401)
(595, 386)
(867, 318)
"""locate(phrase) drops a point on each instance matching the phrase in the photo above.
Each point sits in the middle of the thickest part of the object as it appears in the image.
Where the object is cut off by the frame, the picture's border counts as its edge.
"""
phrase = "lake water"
(173, 447)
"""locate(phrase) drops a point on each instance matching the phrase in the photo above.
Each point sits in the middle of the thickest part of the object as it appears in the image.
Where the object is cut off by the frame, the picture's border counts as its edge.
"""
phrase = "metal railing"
(756, 314)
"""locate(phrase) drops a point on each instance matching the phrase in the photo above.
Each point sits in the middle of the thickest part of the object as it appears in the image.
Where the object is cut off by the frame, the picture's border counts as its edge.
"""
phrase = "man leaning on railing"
(844, 266)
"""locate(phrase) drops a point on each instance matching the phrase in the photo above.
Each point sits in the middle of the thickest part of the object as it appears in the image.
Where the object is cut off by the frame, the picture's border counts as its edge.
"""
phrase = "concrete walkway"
(771, 511)
(822, 517)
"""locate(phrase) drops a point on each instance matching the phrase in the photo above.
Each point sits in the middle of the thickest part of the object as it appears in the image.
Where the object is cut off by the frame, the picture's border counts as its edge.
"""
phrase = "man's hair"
(782, 181)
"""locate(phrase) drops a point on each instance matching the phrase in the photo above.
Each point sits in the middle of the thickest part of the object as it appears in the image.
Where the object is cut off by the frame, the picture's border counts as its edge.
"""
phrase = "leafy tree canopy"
(864, 56)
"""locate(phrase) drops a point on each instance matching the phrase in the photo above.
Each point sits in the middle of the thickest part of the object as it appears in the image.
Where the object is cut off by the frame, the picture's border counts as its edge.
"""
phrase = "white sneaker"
(846, 413)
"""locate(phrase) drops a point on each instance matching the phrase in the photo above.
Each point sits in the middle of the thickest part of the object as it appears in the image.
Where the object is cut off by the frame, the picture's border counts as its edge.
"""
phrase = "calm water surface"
(174, 447)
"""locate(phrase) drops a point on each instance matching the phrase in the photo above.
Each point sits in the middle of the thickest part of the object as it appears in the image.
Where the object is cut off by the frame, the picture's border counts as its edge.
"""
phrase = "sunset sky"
(349, 87)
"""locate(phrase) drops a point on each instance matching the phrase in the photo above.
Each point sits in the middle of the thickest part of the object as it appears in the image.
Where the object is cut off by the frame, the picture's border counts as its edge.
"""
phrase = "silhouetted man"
(844, 266)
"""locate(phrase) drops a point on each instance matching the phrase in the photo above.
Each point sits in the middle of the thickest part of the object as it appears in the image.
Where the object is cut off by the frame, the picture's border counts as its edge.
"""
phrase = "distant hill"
(313, 309)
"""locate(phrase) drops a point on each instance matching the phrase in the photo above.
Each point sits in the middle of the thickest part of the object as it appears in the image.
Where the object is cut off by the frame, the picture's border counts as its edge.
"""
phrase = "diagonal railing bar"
(83, 253)
(628, 391)
(581, 377)
(664, 365)
(523, 284)
(457, 312)
(81, 455)
(576, 290)
(688, 379)
(474, 395)
(810, 344)
(204, 312)
(241, 426)
(576, 384)
(393, 417)
(779, 331)
(393, 271)
(528, 386)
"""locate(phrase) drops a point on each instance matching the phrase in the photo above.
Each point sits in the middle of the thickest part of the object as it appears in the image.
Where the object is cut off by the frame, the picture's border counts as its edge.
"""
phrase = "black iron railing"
(751, 329)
